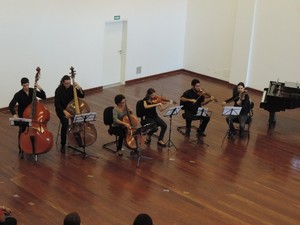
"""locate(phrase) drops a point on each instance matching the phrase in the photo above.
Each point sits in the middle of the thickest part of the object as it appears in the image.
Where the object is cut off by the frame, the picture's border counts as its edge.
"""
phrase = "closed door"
(113, 53)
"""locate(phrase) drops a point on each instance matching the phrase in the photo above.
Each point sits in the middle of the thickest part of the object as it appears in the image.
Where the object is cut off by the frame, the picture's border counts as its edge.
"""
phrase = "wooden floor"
(244, 182)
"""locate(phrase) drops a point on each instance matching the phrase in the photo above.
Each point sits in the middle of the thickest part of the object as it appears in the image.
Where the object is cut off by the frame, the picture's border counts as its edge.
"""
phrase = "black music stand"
(140, 131)
(201, 112)
(21, 123)
(230, 111)
(172, 111)
(83, 118)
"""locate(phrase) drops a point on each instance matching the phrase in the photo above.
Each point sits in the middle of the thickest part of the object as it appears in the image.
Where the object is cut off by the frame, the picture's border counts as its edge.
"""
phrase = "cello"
(132, 141)
(84, 133)
(36, 139)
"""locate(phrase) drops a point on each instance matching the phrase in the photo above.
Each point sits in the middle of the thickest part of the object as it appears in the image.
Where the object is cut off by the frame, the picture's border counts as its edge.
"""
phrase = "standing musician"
(191, 100)
(240, 98)
(63, 95)
(24, 98)
(151, 101)
(119, 127)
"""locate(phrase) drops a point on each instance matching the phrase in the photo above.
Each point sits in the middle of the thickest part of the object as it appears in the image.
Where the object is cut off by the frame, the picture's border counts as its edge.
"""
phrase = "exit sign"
(117, 17)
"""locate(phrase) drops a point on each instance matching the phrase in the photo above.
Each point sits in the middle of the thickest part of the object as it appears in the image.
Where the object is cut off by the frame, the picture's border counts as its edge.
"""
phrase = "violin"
(161, 99)
(242, 95)
(205, 94)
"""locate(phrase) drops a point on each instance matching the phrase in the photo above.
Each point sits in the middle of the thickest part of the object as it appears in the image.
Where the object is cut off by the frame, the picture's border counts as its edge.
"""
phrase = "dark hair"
(195, 81)
(150, 91)
(65, 77)
(24, 80)
(240, 84)
(72, 219)
(119, 98)
(143, 219)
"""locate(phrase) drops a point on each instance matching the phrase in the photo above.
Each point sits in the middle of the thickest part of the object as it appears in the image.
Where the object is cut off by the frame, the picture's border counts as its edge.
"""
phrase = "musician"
(241, 99)
(151, 102)
(119, 127)
(143, 219)
(191, 100)
(5, 216)
(24, 98)
(63, 96)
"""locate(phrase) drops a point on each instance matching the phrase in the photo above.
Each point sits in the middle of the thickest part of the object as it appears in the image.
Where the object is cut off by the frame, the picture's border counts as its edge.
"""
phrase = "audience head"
(72, 219)
(143, 219)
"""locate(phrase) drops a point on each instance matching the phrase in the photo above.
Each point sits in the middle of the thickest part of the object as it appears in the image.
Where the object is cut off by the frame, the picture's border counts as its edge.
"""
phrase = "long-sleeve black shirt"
(63, 97)
(24, 100)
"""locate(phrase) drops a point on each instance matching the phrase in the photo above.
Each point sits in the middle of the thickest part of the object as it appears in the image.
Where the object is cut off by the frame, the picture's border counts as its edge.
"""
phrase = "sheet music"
(231, 111)
(85, 117)
(202, 111)
(173, 110)
(18, 121)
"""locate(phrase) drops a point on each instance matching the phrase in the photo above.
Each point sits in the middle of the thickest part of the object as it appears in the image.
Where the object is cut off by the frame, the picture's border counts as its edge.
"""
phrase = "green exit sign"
(117, 17)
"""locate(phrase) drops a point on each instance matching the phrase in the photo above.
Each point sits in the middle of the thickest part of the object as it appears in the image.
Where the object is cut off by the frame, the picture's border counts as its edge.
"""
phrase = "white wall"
(265, 40)
(57, 34)
(209, 37)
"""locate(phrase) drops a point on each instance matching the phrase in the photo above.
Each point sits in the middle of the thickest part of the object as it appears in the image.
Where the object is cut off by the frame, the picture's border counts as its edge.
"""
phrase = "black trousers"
(64, 129)
(158, 122)
(120, 132)
(189, 117)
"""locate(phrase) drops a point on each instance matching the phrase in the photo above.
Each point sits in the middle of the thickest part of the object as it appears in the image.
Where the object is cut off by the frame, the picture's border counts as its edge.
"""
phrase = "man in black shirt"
(24, 98)
(63, 96)
(191, 100)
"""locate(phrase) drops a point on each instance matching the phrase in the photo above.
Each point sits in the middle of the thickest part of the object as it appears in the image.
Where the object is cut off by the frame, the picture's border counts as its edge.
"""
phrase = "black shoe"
(119, 153)
(231, 134)
(241, 134)
(187, 133)
(201, 133)
(63, 149)
(21, 154)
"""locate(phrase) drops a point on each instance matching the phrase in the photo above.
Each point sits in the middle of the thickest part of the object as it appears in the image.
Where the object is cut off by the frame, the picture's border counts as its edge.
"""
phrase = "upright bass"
(36, 139)
(81, 134)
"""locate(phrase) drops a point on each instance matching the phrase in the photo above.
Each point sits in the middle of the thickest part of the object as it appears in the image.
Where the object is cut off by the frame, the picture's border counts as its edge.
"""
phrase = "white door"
(112, 57)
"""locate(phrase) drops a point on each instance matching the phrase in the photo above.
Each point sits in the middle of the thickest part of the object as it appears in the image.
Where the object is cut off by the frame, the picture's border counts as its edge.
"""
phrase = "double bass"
(81, 134)
(36, 139)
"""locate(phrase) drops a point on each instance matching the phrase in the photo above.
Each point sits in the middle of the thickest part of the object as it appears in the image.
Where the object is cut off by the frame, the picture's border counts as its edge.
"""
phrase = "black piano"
(279, 97)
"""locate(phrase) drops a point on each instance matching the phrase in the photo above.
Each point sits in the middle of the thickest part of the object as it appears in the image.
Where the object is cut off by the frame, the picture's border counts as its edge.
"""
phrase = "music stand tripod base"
(172, 111)
(83, 118)
(141, 130)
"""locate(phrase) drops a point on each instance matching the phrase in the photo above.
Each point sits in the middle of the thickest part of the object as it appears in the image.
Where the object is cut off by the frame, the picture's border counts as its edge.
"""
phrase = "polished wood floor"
(245, 181)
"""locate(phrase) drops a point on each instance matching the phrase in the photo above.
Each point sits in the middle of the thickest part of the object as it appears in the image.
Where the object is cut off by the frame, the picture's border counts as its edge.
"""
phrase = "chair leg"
(108, 145)
(181, 129)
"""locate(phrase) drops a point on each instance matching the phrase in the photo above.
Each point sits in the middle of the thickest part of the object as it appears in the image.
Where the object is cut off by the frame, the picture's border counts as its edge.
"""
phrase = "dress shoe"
(63, 149)
(119, 153)
(201, 133)
(21, 154)
(162, 143)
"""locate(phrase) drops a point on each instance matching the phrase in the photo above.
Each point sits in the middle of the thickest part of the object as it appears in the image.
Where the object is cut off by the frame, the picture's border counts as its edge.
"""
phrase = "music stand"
(230, 111)
(201, 112)
(83, 118)
(21, 123)
(140, 131)
(172, 111)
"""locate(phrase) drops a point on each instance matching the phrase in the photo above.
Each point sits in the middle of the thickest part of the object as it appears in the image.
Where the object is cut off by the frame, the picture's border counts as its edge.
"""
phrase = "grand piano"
(279, 97)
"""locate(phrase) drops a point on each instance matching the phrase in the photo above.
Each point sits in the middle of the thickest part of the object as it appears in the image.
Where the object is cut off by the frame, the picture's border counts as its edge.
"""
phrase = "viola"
(80, 134)
(36, 139)
(205, 94)
(161, 99)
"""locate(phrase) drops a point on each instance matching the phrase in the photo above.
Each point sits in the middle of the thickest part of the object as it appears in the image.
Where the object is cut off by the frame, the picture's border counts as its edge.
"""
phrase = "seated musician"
(240, 98)
(151, 101)
(119, 127)
(24, 98)
(191, 100)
